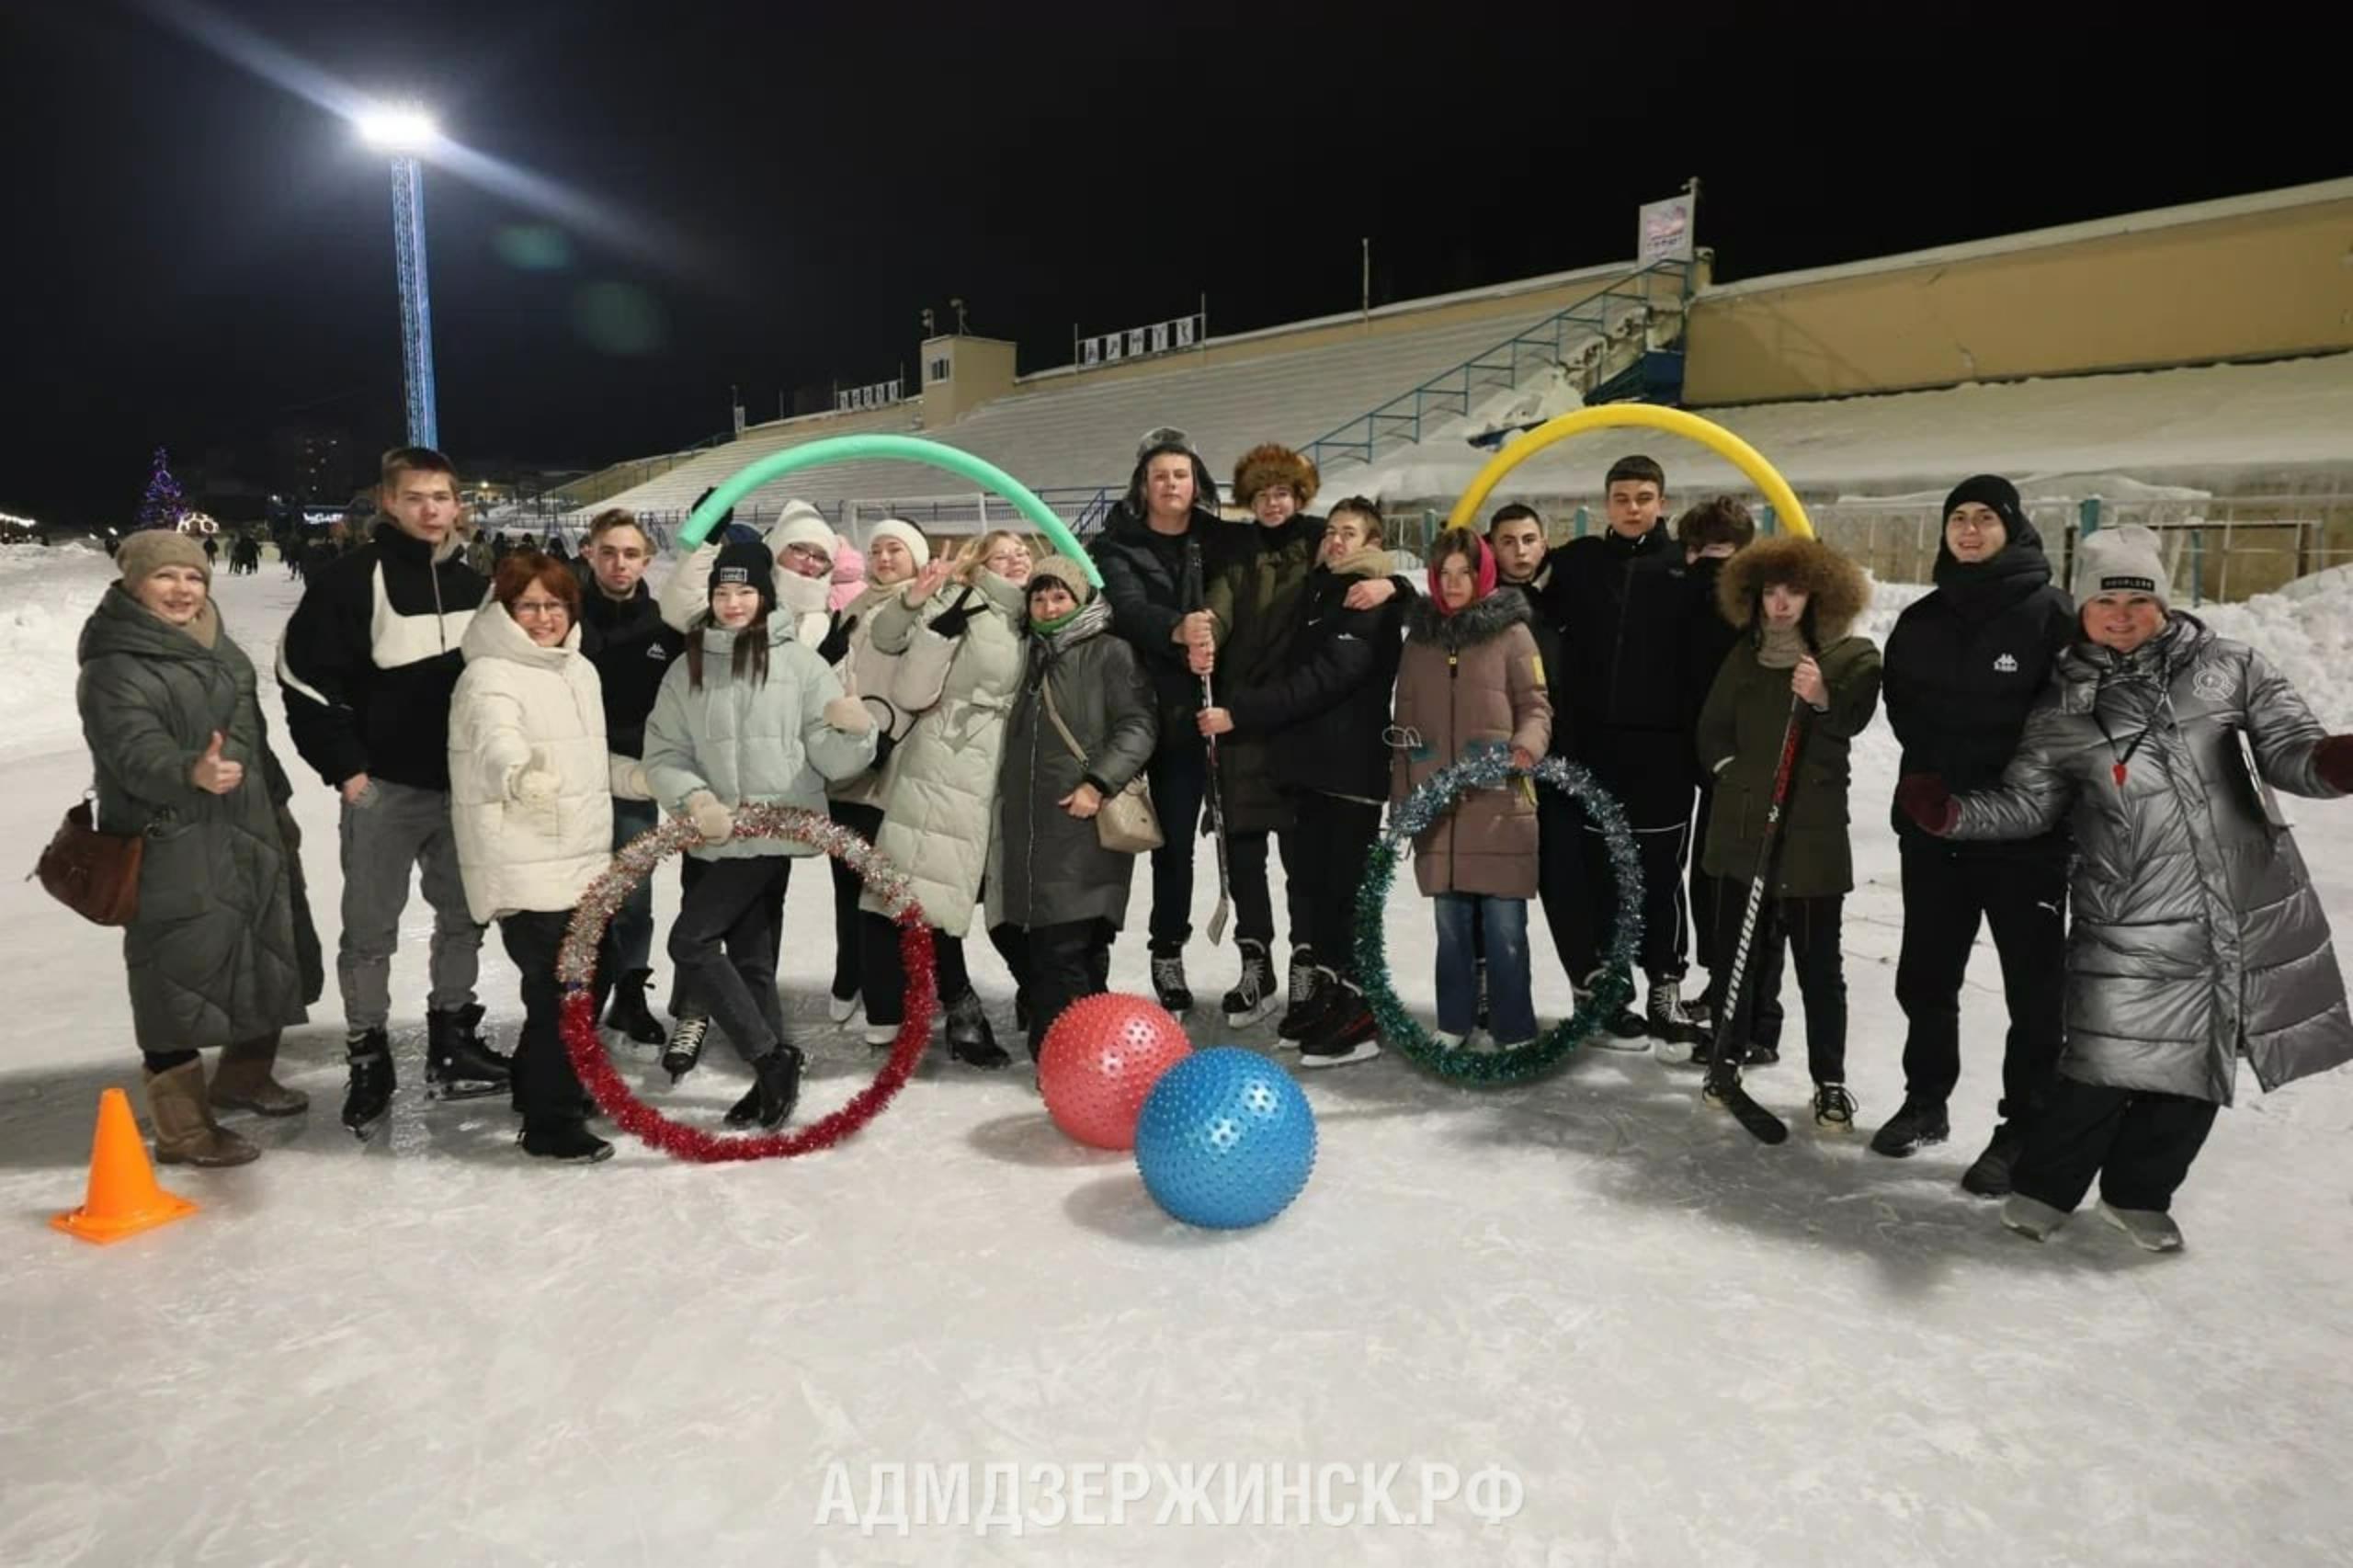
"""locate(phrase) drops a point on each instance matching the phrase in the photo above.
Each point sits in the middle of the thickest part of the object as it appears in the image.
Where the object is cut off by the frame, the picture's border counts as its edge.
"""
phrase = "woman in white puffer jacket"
(531, 795)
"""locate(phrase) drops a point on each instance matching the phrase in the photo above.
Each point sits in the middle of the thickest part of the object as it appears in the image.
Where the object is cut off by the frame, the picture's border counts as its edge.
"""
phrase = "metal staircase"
(1612, 342)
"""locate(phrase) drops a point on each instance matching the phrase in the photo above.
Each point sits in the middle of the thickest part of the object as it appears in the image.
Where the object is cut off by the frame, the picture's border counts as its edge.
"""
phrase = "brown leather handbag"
(94, 874)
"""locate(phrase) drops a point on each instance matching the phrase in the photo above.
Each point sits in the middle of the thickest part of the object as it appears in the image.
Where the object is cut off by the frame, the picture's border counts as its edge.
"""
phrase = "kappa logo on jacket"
(656, 651)
(2007, 665)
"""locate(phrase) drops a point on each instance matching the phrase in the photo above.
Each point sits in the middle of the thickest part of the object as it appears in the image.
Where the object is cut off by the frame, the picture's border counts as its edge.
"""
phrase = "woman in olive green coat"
(221, 951)
(1794, 600)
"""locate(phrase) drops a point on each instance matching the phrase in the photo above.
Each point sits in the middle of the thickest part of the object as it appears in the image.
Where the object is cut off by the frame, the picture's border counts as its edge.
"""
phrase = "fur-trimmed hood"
(1272, 463)
(1473, 624)
(1837, 589)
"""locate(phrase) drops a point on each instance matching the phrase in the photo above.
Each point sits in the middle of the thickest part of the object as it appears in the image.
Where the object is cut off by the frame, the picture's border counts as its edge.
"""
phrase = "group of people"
(1272, 685)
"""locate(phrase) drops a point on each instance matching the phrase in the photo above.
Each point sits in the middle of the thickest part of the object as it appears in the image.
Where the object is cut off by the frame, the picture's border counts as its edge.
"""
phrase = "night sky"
(198, 256)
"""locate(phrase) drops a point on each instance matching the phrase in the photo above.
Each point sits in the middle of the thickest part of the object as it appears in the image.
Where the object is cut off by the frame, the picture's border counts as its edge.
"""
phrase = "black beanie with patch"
(747, 564)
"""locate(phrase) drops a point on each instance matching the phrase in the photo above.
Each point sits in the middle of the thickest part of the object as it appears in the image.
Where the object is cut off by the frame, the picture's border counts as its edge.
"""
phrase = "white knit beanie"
(2126, 559)
(801, 524)
(905, 533)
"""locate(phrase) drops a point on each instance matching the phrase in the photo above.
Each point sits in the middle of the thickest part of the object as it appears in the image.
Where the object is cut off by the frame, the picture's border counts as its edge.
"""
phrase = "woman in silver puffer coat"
(2197, 938)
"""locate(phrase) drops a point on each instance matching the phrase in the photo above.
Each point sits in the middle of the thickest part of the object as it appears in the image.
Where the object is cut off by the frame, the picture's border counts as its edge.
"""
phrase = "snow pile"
(2306, 628)
(45, 596)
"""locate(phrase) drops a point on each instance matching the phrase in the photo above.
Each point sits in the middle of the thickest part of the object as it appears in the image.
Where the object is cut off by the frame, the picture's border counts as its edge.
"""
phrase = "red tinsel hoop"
(577, 969)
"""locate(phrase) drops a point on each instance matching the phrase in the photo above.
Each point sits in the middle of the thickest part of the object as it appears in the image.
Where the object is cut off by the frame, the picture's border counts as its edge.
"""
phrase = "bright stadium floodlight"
(397, 128)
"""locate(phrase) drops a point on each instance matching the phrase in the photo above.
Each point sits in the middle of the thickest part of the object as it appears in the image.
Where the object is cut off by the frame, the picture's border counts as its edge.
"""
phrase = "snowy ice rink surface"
(1683, 1348)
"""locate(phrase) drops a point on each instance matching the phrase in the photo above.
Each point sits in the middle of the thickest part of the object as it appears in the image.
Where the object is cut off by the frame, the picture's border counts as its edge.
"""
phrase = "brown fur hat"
(1271, 464)
(1837, 589)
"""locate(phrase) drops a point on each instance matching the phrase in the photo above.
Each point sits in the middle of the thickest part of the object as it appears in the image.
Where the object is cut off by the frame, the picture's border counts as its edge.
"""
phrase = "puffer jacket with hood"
(222, 949)
(1151, 581)
(1965, 664)
(766, 743)
(1469, 682)
(1256, 603)
(939, 789)
(803, 604)
(2196, 936)
(870, 673)
(1748, 715)
(1048, 868)
(522, 710)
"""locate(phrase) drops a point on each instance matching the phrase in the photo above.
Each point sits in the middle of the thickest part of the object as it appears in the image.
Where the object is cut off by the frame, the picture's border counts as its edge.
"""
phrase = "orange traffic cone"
(123, 1199)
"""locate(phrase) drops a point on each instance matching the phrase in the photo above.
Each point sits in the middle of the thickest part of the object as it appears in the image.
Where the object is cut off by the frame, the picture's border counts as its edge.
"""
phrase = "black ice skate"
(458, 1064)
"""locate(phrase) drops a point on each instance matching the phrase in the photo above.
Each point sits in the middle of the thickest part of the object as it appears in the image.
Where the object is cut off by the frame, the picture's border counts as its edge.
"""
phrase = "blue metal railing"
(1400, 421)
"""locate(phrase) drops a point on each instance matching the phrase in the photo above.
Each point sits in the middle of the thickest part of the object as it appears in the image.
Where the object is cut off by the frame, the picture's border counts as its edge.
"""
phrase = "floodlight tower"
(405, 131)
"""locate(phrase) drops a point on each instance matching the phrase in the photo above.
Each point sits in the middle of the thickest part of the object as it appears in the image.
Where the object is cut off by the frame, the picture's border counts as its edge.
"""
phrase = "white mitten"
(629, 781)
(536, 787)
(849, 715)
(713, 820)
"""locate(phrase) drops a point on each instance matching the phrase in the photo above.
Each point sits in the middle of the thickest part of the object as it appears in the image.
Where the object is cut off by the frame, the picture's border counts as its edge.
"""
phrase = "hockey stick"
(1217, 831)
(1723, 1088)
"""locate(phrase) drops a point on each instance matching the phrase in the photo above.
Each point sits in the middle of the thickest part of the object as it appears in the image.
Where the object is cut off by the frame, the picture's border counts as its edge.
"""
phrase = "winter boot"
(1253, 996)
(2030, 1217)
(459, 1063)
(1309, 996)
(1989, 1175)
(242, 1081)
(969, 1039)
(186, 1133)
(776, 1086)
(369, 1093)
(629, 1013)
(1168, 982)
(566, 1138)
(1344, 1032)
(1669, 1024)
(1621, 1031)
(1913, 1128)
(2151, 1229)
(841, 1009)
(1834, 1107)
(685, 1050)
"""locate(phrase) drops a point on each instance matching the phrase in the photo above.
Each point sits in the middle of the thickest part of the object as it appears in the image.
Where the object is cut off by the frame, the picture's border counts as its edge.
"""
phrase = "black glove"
(953, 620)
(836, 647)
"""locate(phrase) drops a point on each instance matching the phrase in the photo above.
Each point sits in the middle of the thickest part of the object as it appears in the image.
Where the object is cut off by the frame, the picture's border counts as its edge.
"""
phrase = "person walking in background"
(2197, 937)
(221, 952)
(367, 665)
(1966, 663)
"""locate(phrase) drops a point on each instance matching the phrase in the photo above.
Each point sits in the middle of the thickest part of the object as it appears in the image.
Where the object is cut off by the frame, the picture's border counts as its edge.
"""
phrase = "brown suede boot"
(186, 1133)
(242, 1081)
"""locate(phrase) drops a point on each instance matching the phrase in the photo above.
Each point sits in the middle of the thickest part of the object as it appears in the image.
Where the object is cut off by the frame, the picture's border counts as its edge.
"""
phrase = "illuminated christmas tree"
(163, 506)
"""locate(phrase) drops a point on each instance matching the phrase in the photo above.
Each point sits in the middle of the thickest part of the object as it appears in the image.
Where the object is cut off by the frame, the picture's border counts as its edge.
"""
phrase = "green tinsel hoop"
(1431, 800)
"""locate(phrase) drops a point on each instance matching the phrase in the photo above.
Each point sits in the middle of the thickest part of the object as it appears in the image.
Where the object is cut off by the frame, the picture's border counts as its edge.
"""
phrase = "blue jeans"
(634, 921)
(1472, 926)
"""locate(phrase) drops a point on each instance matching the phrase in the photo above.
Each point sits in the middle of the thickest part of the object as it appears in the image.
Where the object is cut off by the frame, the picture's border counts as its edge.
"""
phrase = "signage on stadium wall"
(1140, 342)
(882, 394)
(1664, 230)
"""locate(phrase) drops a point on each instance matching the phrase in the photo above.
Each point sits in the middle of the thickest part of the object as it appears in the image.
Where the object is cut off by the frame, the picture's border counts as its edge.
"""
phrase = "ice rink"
(1659, 1341)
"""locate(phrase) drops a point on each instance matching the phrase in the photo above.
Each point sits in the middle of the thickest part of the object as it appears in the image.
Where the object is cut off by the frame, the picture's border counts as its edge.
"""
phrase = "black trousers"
(1333, 839)
(1707, 892)
(1560, 882)
(544, 1083)
(883, 980)
(725, 943)
(2139, 1145)
(1179, 779)
(1254, 904)
(1066, 963)
(849, 929)
(1665, 917)
(2025, 901)
(683, 1001)
(1807, 929)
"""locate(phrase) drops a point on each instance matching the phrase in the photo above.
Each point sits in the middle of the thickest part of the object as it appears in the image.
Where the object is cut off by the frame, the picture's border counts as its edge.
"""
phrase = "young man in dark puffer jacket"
(1322, 719)
(367, 665)
(1963, 667)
